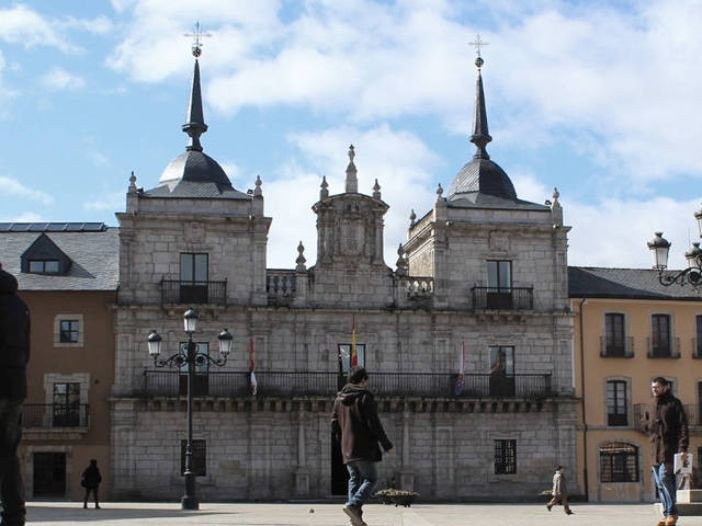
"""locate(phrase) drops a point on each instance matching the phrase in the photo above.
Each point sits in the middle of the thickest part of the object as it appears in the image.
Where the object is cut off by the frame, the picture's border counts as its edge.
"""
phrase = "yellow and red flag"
(354, 354)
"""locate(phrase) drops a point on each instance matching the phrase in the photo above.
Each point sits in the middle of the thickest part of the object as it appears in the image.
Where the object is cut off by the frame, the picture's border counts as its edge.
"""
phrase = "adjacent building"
(67, 274)
(630, 329)
(468, 339)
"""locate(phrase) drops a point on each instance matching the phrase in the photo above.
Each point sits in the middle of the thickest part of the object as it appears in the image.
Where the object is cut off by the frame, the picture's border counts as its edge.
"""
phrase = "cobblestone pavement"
(247, 514)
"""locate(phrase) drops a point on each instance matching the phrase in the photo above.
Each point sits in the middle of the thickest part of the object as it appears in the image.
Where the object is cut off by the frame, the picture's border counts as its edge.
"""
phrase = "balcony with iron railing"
(180, 292)
(694, 415)
(503, 298)
(616, 347)
(56, 416)
(663, 349)
(697, 348)
(286, 384)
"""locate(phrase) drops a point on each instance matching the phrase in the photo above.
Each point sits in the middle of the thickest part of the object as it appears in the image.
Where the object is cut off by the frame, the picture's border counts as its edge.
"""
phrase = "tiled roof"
(94, 255)
(625, 283)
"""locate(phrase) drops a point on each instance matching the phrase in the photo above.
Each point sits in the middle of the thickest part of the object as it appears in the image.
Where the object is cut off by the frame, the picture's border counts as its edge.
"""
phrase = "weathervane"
(478, 44)
(197, 36)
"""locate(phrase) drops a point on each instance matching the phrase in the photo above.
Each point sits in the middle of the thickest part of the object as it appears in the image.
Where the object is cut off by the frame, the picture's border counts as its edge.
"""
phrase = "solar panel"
(52, 227)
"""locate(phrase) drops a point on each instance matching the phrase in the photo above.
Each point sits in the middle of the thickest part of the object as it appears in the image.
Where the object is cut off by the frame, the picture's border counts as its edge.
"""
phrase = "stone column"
(302, 473)
(406, 472)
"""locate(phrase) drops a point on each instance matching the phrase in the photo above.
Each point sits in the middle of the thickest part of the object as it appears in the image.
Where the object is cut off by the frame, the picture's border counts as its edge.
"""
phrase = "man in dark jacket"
(665, 422)
(14, 353)
(90, 480)
(356, 425)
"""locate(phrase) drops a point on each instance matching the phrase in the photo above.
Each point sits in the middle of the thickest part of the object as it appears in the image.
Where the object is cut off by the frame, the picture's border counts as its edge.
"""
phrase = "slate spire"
(194, 120)
(480, 136)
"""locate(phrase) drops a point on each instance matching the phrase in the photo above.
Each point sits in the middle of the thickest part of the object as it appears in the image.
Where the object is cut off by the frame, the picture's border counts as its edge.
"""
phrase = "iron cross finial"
(197, 36)
(478, 44)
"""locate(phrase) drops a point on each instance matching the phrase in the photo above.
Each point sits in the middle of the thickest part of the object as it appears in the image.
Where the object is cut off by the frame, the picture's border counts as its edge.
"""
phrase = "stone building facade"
(483, 276)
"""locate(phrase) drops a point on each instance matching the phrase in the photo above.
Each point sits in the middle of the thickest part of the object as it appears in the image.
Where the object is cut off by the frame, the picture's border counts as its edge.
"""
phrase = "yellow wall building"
(628, 330)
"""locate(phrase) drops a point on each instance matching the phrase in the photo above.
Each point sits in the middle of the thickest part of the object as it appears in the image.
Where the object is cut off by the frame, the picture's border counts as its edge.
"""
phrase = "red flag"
(252, 366)
(354, 354)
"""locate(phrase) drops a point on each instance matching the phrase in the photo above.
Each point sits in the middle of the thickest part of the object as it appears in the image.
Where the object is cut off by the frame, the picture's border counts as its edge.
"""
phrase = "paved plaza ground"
(247, 514)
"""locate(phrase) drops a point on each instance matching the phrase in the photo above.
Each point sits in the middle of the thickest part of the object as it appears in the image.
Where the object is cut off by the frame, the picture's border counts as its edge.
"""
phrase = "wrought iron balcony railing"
(616, 348)
(48, 416)
(663, 349)
(503, 298)
(694, 417)
(231, 384)
(193, 292)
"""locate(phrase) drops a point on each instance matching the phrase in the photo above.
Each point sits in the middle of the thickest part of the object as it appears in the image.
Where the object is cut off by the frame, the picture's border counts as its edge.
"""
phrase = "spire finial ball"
(479, 62)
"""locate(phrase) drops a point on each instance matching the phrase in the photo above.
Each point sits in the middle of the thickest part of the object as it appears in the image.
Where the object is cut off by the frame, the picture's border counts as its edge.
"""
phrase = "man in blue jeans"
(356, 426)
(665, 422)
(14, 353)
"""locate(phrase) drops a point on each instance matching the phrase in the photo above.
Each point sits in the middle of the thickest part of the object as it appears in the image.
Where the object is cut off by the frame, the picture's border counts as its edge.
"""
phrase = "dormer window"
(45, 257)
(44, 266)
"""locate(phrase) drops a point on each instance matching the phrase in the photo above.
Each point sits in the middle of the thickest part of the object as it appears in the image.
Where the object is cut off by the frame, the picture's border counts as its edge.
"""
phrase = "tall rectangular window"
(501, 382)
(69, 331)
(615, 344)
(617, 407)
(193, 278)
(66, 404)
(505, 457)
(199, 464)
(499, 274)
(660, 335)
(499, 289)
(201, 381)
(698, 340)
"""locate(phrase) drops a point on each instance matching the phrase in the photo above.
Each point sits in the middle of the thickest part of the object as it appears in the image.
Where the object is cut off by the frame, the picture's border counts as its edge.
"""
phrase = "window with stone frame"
(619, 462)
(69, 331)
(615, 342)
(617, 403)
(505, 457)
(66, 404)
(199, 464)
(661, 341)
(194, 275)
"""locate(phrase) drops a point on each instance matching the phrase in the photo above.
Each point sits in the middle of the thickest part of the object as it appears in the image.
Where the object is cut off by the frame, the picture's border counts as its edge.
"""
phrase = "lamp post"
(692, 275)
(191, 357)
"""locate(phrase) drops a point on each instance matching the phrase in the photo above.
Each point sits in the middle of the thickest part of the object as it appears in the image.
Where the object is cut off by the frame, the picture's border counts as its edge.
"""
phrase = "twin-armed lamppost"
(189, 356)
(692, 275)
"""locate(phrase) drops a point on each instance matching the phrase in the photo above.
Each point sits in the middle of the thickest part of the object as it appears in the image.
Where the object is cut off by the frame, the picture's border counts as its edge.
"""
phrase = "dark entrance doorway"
(340, 475)
(49, 474)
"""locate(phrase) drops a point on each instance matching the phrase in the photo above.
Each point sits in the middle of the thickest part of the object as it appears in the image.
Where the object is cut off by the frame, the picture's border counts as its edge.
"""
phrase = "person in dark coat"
(356, 426)
(90, 480)
(14, 354)
(665, 422)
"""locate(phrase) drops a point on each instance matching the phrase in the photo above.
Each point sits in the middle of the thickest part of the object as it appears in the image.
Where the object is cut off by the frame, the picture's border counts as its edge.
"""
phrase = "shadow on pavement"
(106, 512)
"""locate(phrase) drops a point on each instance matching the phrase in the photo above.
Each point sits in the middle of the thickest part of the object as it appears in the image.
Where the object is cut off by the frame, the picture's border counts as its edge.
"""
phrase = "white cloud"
(597, 77)
(99, 25)
(21, 25)
(615, 232)
(13, 187)
(58, 79)
(24, 217)
(109, 201)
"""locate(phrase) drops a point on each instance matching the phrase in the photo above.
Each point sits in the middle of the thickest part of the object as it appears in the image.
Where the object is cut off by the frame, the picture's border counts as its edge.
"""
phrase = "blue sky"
(599, 99)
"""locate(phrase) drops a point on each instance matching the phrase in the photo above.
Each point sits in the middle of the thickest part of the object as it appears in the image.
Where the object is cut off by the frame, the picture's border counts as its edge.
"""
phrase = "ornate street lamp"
(190, 357)
(692, 275)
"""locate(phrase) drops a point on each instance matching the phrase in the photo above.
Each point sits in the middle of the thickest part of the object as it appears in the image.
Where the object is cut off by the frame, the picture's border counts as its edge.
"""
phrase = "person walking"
(356, 425)
(559, 492)
(665, 422)
(90, 480)
(14, 354)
